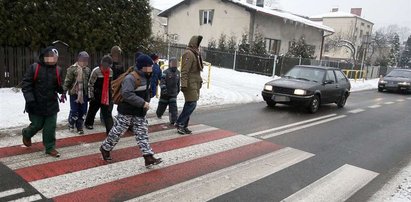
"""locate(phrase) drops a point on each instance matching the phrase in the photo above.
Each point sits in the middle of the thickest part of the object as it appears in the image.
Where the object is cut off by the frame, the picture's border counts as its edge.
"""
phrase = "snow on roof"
(278, 13)
(337, 14)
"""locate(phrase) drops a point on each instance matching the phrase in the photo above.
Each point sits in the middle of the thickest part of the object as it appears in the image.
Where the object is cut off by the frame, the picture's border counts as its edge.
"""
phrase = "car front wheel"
(314, 104)
(271, 103)
(342, 101)
(380, 89)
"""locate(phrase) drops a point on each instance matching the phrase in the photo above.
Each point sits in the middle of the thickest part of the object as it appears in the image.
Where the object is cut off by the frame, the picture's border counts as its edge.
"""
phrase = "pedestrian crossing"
(199, 167)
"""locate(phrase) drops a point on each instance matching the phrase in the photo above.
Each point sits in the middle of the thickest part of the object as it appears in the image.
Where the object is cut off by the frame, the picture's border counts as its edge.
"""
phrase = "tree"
(232, 43)
(212, 44)
(394, 51)
(300, 49)
(406, 54)
(90, 25)
(258, 45)
(244, 46)
(222, 42)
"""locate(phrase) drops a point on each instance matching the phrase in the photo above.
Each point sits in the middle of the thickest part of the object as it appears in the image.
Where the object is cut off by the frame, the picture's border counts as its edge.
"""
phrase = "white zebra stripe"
(31, 159)
(214, 184)
(35, 197)
(104, 174)
(11, 192)
(338, 185)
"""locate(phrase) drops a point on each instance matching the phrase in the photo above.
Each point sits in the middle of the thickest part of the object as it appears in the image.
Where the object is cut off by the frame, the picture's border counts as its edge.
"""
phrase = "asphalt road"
(372, 132)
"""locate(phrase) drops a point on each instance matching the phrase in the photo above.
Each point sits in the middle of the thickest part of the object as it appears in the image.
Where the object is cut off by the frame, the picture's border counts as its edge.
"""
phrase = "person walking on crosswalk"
(191, 82)
(41, 83)
(132, 111)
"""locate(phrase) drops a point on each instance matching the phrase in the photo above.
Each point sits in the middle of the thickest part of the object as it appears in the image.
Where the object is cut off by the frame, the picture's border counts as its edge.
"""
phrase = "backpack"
(116, 84)
(36, 73)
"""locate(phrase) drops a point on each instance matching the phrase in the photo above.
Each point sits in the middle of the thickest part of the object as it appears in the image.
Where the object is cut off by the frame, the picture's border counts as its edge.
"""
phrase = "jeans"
(77, 112)
(184, 117)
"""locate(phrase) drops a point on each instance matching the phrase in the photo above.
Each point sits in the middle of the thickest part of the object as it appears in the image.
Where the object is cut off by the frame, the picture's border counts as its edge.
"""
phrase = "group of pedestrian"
(43, 81)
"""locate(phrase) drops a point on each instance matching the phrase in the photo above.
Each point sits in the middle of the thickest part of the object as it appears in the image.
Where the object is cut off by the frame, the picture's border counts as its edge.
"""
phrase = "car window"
(306, 73)
(399, 73)
(340, 77)
(330, 76)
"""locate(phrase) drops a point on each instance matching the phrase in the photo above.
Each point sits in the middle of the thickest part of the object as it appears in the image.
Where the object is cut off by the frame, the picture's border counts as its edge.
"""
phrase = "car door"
(343, 83)
(331, 87)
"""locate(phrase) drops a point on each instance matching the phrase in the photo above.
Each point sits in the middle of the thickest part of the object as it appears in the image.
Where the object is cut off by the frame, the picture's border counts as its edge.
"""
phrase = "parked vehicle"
(398, 80)
(308, 86)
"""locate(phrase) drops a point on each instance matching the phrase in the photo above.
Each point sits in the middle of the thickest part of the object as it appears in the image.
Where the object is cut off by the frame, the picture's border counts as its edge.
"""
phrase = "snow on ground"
(226, 87)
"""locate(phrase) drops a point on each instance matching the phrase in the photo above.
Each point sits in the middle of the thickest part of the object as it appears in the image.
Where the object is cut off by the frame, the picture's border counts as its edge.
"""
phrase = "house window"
(206, 17)
(368, 26)
(362, 24)
(272, 46)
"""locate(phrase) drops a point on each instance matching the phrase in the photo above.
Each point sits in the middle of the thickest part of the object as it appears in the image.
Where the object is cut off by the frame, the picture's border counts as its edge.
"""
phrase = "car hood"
(397, 79)
(293, 83)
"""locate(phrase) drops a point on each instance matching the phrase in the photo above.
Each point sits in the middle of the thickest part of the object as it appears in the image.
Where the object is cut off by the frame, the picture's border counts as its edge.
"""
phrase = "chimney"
(334, 10)
(260, 3)
(356, 11)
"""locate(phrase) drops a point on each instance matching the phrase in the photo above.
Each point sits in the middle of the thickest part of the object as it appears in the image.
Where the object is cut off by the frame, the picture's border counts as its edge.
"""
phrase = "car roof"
(318, 67)
(398, 69)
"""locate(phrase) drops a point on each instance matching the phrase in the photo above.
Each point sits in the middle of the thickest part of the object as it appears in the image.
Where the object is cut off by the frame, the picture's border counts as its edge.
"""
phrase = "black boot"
(150, 160)
(105, 154)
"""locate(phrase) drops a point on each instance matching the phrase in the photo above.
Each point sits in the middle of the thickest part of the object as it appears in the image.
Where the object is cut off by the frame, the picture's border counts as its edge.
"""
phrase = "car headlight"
(268, 87)
(404, 83)
(382, 82)
(300, 92)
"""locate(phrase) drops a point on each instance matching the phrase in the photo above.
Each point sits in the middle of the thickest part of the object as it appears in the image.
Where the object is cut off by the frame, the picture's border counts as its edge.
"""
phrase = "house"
(158, 24)
(211, 18)
(347, 26)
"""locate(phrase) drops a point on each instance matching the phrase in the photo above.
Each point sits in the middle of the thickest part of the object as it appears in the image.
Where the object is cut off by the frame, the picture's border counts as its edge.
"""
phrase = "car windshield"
(399, 73)
(306, 74)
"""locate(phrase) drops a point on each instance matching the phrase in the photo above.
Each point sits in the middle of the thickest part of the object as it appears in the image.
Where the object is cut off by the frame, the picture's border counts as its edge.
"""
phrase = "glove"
(63, 98)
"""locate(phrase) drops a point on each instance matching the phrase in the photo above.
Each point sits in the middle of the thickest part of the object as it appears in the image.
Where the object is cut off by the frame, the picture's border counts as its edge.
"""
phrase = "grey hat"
(83, 54)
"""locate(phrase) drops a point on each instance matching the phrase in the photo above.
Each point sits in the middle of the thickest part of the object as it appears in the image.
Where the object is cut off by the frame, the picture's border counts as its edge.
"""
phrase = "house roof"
(338, 14)
(276, 13)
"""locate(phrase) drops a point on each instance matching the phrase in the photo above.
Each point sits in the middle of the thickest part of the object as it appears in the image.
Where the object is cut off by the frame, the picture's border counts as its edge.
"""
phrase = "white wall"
(228, 19)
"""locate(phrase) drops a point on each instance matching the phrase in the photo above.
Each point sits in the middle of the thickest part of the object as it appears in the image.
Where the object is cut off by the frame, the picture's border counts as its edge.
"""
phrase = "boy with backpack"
(40, 86)
(170, 87)
(132, 109)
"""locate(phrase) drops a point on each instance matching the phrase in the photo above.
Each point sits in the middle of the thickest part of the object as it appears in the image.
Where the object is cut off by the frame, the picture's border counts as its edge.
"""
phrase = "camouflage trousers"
(139, 127)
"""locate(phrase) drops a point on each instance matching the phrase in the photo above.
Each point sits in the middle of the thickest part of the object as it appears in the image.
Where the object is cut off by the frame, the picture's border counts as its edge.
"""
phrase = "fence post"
(299, 62)
(274, 65)
(235, 58)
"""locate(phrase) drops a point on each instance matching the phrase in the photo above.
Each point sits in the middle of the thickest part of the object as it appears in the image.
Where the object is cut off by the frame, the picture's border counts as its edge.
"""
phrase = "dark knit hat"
(107, 60)
(154, 56)
(143, 61)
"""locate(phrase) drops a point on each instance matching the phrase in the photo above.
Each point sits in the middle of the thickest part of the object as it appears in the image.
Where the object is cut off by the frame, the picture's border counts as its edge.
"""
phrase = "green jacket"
(71, 78)
(191, 67)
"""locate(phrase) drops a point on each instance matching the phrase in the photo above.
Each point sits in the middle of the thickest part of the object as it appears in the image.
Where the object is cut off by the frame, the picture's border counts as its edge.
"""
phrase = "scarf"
(198, 55)
(78, 87)
(105, 90)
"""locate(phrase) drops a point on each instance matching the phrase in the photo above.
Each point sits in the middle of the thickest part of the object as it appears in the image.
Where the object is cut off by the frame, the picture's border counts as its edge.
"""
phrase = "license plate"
(391, 85)
(280, 98)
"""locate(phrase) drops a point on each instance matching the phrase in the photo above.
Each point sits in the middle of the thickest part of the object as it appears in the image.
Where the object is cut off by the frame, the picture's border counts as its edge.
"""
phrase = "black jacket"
(117, 70)
(170, 82)
(41, 94)
(95, 84)
(134, 97)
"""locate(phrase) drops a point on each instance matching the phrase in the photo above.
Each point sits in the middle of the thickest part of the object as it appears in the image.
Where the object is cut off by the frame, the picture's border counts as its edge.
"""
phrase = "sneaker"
(180, 130)
(53, 153)
(89, 127)
(105, 154)
(187, 131)
(80, 131)
(26, 141)
(159, 117)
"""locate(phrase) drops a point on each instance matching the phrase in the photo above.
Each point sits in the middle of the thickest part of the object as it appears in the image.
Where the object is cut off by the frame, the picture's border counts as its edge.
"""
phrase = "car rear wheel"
(271, 103)
(314, 104)
(342, 101)
(380, 89)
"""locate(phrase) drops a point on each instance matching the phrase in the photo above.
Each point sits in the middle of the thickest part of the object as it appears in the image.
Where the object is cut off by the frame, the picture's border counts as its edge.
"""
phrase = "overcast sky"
(380, 12)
